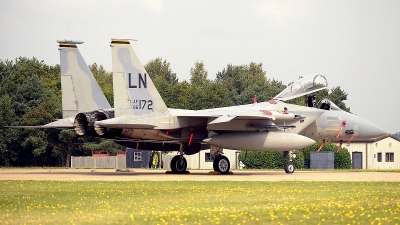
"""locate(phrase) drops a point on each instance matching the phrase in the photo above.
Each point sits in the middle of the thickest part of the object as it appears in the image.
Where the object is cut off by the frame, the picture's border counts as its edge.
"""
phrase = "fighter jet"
(142, 119)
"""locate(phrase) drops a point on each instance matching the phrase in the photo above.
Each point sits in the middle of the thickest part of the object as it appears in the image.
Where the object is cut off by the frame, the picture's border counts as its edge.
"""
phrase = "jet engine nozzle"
(104, 131)
(81, 123)
(84, 123)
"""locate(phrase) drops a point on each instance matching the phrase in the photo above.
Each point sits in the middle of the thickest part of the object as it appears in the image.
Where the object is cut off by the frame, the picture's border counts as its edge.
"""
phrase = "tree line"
(30, 95)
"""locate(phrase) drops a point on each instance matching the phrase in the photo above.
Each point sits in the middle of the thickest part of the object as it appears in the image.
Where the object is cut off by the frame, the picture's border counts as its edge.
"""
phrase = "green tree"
(165, 89)
(337, 96)
(8, 155)
(198, 75)
(245, 82)
(234, 81)
(274, 88)
(68, 141)
(26, 102)
(179, 96)
(204, 93)
(159, 68)
(256, 83)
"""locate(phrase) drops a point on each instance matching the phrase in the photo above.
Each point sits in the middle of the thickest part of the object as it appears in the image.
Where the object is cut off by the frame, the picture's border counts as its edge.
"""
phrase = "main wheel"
(221, 164)
(289, 167)
(178, 164)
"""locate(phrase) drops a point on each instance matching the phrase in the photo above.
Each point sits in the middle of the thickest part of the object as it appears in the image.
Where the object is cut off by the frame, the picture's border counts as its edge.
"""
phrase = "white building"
(379, 153)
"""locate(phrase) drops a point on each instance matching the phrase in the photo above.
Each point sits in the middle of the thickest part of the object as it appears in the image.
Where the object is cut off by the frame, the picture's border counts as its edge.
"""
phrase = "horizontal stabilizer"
(40, 126)
(58, 124)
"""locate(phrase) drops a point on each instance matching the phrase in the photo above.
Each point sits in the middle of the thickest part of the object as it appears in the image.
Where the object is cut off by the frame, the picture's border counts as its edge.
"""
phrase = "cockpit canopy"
(327, 104)
(304, 86)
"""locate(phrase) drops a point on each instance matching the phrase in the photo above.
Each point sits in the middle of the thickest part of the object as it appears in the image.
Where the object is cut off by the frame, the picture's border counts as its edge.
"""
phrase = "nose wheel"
(289, 167)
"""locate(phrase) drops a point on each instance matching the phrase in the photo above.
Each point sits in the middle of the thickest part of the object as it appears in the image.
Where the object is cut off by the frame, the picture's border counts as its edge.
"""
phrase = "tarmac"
(193, 175)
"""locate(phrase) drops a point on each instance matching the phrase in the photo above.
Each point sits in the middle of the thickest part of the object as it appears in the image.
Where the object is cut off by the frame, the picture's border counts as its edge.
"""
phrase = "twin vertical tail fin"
(134, 91)
(80, 90)
(82, 98)
(81, 95)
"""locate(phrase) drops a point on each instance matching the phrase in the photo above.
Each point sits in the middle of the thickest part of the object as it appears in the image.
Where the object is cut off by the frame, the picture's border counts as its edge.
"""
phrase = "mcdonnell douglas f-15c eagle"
(140, 118)
(141, 115)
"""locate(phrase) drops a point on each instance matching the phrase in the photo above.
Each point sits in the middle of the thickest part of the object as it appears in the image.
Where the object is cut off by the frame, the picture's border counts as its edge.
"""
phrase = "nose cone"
(371, 130)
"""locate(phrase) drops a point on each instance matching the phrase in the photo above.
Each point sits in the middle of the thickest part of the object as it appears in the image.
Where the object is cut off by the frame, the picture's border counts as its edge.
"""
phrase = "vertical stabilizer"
(134, 91)
(80, 91)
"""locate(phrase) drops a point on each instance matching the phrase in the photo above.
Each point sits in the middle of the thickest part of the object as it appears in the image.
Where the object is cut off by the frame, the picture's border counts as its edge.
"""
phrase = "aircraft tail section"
(80, 91)
(134, 91)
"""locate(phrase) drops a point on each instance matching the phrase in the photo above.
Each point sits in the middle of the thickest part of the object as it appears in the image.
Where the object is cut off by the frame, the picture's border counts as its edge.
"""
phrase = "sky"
(355, 44)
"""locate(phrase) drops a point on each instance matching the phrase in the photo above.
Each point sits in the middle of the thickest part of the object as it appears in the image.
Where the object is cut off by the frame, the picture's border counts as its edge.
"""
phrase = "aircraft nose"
(371, 130)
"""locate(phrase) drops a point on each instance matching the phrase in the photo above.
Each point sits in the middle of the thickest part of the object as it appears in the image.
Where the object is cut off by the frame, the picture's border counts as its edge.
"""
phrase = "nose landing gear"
(289, 166)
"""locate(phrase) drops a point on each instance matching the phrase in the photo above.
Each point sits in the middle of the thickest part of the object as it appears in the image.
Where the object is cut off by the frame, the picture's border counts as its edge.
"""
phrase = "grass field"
(191, 202)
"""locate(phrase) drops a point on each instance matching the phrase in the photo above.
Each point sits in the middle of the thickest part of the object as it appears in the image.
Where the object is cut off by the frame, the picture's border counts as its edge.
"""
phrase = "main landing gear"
(221, 164)
(178, 164)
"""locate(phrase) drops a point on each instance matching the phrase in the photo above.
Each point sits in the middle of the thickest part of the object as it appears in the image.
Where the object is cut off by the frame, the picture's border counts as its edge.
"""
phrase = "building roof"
(383, 137)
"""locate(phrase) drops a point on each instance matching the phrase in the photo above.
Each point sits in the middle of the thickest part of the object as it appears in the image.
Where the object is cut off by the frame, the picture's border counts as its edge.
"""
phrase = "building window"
(209, 157)
(137, 156)
(379, 156)
(389, 156)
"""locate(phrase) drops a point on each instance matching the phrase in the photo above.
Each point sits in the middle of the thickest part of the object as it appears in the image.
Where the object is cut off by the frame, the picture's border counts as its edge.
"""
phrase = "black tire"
(173, 163)
(221, 164)
(289, 167)
(178, 165)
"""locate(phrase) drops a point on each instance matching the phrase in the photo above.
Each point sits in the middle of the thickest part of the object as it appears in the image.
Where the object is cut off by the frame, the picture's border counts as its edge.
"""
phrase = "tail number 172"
(142, 104)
